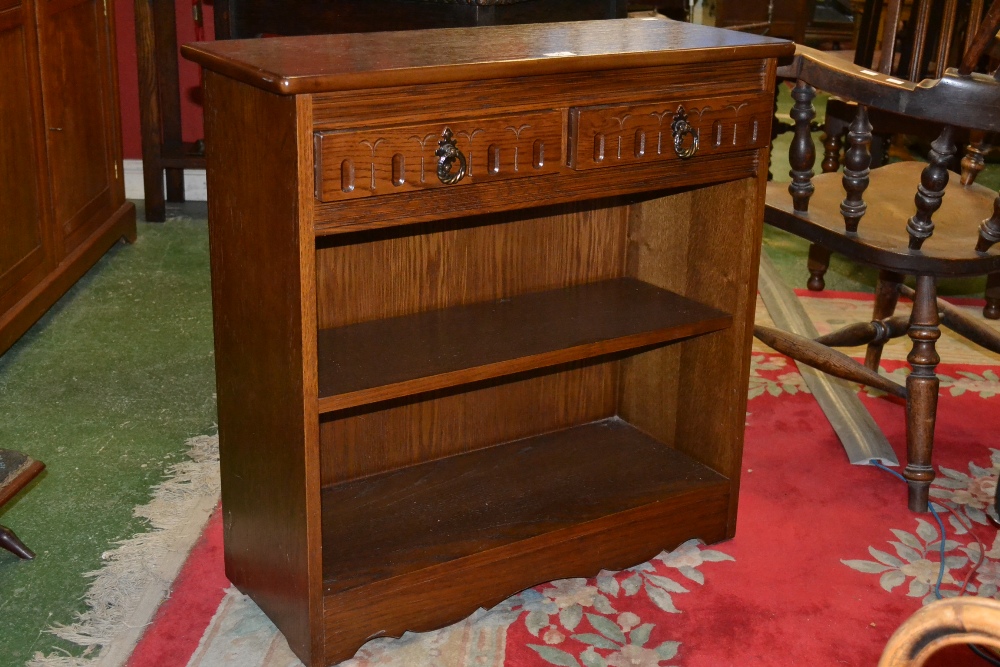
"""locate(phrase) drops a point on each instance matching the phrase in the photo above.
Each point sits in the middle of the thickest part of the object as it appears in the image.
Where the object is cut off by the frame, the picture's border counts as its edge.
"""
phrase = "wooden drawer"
(604, 136)
(358, 163)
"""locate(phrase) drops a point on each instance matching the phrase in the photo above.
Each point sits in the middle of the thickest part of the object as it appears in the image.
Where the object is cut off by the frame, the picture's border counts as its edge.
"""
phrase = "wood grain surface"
(444, 348)
(312, 64)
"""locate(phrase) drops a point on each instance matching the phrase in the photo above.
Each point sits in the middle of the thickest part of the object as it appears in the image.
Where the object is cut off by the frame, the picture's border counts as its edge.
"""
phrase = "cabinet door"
(81, 115)
(24, 243)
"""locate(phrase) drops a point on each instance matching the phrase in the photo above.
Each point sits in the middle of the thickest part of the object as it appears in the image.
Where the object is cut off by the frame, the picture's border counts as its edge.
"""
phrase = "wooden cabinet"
(482, 303)
(61, 187)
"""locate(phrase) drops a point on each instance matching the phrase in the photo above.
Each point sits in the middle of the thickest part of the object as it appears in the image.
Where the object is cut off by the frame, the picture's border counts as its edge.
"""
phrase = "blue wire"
(930, 506)
(937, 586)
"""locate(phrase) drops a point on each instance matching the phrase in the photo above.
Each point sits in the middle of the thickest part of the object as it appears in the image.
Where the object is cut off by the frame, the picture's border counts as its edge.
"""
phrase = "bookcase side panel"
(705, 244)
(260, 298)
(722, 272)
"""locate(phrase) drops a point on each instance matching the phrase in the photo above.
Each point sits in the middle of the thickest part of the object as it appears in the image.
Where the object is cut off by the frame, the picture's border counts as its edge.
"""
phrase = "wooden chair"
(964, 620)
(917, 40)
(872, 216)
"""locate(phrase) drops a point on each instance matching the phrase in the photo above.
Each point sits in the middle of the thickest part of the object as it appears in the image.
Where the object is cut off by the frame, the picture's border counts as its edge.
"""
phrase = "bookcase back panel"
(398, 271)
(364, 441)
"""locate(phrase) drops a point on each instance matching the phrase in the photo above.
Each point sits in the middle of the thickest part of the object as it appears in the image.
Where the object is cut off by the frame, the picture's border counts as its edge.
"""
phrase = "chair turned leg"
(922, 393)
(11, 542)
(886, 297)
(819, 262)
(992, 309)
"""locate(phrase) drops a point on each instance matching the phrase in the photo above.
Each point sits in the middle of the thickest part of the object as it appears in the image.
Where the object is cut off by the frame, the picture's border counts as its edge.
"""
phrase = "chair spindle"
(975, 159)
(933, 181)
(922, 391)
(802, 154)
(833, 143)
(989, 231)
(857, 163)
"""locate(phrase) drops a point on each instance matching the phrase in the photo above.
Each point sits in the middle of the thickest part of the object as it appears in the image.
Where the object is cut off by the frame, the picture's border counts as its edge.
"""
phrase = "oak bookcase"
(482, 309)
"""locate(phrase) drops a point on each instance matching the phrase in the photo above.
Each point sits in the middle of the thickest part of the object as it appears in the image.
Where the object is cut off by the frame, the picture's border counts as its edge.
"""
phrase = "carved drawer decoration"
(362, 163)
(603, 136)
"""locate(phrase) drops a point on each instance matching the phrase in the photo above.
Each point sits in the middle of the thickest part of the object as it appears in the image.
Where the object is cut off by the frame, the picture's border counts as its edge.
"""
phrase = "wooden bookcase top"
(320, 63)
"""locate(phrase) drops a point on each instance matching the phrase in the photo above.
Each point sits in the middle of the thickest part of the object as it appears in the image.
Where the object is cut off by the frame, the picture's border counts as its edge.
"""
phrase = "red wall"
(128, 77)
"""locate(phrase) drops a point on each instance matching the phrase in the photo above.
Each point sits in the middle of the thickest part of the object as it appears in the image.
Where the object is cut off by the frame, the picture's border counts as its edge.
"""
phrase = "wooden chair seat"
(882, 240)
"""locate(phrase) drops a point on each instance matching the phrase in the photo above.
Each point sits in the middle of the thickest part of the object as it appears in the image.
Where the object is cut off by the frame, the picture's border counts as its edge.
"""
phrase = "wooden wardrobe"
(62, 193)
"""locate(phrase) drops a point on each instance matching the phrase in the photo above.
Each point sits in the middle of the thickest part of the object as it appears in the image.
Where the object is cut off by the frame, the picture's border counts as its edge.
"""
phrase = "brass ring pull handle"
(448, 154)
(681, 129)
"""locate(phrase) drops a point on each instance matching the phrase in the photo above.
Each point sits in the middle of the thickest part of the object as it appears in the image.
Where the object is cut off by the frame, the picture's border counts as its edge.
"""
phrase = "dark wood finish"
(580, 333)
(462, 505)
(828, 360)
(16, 472)
(62, 190)
(886, 298)
(803, 156)
(779, 18)
(882, 240)
(239, 19)
(875, 232)
(164, 153)
(513, 335)
(922, 392)
(317, 63)
(857, 161)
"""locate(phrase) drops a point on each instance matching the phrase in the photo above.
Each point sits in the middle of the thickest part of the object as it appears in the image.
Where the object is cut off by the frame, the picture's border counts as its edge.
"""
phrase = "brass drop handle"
(681, 129)
(448, 155)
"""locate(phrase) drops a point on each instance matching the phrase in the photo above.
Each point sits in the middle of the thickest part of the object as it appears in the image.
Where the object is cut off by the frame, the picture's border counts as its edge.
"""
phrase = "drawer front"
(380, 161)
(605, 136)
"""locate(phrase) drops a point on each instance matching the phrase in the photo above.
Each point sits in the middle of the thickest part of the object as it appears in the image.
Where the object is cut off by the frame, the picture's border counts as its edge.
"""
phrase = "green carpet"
(104, 390)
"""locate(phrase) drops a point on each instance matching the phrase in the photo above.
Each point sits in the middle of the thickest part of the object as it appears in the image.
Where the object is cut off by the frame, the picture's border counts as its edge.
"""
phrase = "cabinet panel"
(21, 223)
(378, 161)
(605, 136)
(79, 113)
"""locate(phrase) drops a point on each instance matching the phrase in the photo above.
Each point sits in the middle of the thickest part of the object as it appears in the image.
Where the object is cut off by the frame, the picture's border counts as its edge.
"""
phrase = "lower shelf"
(398, 522)
(423, 546)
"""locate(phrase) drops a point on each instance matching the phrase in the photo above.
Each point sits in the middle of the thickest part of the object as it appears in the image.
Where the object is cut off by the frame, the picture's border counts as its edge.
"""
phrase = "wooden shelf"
(401, 522)
(499, 338)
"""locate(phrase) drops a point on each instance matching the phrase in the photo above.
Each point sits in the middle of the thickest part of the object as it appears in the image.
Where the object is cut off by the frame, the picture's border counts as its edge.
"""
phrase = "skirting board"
(194, 182)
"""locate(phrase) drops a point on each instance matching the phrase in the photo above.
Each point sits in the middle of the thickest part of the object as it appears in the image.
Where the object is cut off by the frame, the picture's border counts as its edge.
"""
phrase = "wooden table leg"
(13, 544)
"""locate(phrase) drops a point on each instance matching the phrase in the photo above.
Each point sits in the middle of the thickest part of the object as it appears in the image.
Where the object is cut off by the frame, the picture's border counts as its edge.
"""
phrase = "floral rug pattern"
(769, 596)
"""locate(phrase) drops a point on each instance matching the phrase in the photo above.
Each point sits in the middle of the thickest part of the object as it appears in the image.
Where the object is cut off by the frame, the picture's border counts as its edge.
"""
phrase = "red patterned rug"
(826, 563)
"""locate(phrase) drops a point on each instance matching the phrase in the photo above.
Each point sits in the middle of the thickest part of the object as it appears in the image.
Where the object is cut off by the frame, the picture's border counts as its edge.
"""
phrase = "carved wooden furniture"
(869, 215)
(16, 472)
(165, 155)
(922, 39)
(963, 620)
(61, 191)
(482, 304)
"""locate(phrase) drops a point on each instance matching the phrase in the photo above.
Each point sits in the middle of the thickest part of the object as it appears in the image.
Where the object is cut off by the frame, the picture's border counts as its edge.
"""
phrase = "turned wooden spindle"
(886, 298)
(818, 263)
(865, 333)
(832, 145)
(857, 163)
(975, 160)
(933, 181)
(922, 390)
(992, 309)
(989, 231)
(802, 154)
